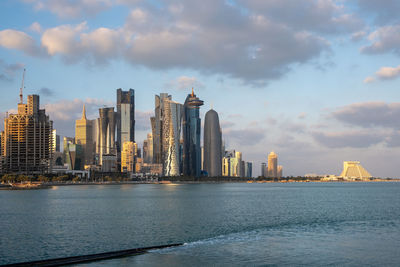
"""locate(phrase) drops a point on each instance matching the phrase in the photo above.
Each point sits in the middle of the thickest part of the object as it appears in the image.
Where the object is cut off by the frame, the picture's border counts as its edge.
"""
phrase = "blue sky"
(314, 80)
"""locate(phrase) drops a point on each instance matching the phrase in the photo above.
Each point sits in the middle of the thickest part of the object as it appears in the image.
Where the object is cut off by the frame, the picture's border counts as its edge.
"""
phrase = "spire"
(192, 92)
(84, 112)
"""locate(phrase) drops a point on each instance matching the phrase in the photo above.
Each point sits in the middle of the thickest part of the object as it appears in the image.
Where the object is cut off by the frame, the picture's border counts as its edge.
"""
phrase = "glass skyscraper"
(191, 136)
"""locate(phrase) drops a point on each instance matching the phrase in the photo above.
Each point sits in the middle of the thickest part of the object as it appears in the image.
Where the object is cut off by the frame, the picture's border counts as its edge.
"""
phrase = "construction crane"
(21, 98)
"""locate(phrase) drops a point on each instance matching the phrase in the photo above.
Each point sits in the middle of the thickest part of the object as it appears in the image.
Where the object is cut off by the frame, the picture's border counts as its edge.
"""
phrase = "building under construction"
(26, 142)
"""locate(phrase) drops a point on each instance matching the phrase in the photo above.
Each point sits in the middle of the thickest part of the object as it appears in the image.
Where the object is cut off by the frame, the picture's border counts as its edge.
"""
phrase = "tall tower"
(84, 137)
(273, 165)
(106, 125)
(170, 137)
(125, 117)
(212, 144)
(191, 136)
(27, 139)
(157, 123)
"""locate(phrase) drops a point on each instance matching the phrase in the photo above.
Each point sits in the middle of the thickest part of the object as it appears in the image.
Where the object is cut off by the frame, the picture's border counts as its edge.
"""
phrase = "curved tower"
(212, 144)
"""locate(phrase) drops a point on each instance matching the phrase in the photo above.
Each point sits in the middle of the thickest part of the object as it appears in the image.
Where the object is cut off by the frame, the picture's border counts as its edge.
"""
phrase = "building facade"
(171, 129)
(125, 117)
(84, 137)
(128, 155)
(106, 133)
(27, 139)
(212, 144)
(191, 128)
(273, 165)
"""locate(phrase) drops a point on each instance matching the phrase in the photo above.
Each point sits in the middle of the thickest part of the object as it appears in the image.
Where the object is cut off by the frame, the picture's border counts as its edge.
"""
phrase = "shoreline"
(36, 186)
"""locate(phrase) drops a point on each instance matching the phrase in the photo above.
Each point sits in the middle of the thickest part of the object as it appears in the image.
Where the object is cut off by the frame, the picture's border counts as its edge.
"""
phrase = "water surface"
(228, 223)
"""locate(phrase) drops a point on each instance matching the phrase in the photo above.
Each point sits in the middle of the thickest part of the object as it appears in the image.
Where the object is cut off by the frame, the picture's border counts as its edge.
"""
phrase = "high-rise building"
(191, 128)
(226, 166)
(280, 171)
(106, 131)
(248, 169)
(212, 144)
(148, 149)
(128, 154)
(56, 141)
(74, 156)
(264, 170)
(170, 137)
(157, 123)
(272, 165)
(125, 117)
(84, 137)
(27, 139)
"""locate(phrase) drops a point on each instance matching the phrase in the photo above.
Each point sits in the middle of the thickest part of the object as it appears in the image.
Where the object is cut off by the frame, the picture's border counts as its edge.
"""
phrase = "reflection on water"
(234, 224)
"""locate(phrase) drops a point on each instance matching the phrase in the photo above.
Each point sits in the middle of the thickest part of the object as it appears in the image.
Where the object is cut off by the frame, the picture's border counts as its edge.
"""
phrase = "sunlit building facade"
(84, 137)
(354, 170)
(128, 154)
(27, 139)
(170, 137)
(273, 165)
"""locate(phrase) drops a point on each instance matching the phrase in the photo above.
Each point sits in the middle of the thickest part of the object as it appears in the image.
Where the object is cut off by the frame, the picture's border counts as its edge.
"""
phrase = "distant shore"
(35, 186)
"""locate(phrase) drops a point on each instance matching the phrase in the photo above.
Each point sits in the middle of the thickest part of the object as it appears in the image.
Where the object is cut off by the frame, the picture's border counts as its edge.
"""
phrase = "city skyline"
(330, 98)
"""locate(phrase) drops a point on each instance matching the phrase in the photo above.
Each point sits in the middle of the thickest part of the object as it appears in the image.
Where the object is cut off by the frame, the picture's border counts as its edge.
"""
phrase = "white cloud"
(388, 72)
(185, 83)
(36, 27)
(384, 73)
(369, 79)
(253, 41)
(72, 8)
(18, 40)
(384, 40)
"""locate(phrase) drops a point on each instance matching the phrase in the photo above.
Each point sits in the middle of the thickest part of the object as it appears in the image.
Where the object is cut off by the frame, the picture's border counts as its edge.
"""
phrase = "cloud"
(369, 79)
(253, 41)
(387, 73)
(185, 83)
(384, 73)
(36, 27)
(383, 12)
(355, 139)
(72, 8)
(370, 114)
(46, 91)
(8, 71)
(142, 120)
(358, 36)
(384, 40)
(244, 137)
(64, 113)
(18, 40)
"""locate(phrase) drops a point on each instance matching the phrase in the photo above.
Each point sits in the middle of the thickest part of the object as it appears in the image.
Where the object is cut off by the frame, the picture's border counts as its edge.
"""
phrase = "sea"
(219, 224)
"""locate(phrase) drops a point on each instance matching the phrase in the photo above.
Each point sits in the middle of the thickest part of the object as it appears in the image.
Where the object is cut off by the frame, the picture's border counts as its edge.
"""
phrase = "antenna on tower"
(21, 98)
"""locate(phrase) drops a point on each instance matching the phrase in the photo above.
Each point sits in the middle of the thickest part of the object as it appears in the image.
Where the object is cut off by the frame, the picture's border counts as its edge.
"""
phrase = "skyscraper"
(191, 127)
(128, 154)
(157, 123)
(106, 131)
(125, 117)
(212, 144)
(27, 139)
(170, 137)
(148, 149)
(84, 137)
(264, 170)
(272, 165)
(56, 141)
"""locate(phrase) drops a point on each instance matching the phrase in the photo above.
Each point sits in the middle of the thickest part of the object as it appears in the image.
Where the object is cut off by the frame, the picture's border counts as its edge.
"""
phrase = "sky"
(316, 81)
